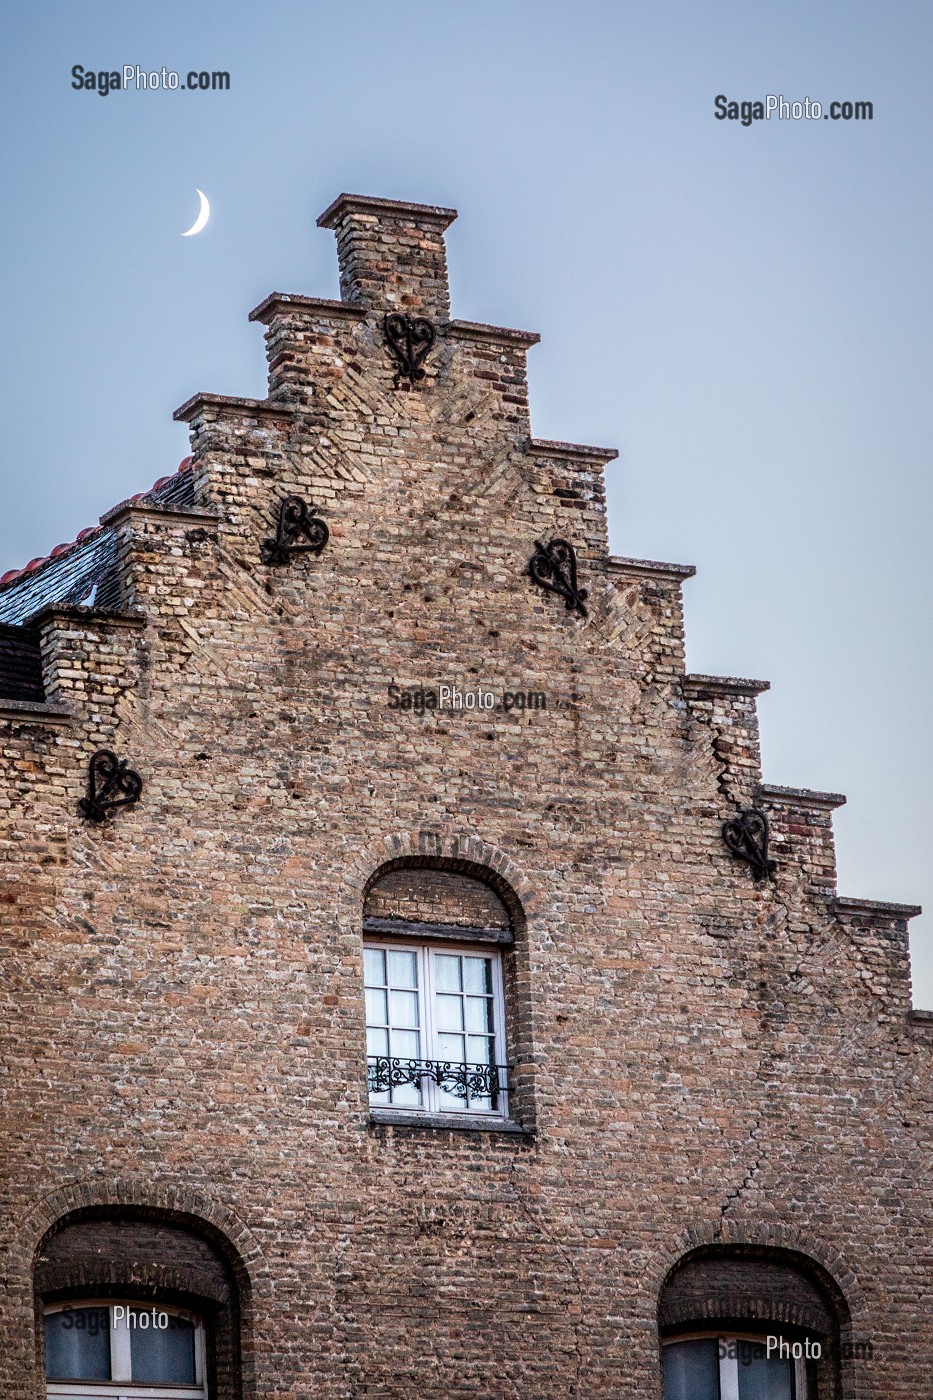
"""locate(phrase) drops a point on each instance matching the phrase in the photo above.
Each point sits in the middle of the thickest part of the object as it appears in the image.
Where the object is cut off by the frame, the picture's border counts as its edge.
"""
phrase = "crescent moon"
(204, 214)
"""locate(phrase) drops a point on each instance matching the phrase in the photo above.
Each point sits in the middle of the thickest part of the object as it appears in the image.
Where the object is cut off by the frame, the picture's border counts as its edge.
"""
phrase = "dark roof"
(84, 571)
(69, 577)
(80, 571)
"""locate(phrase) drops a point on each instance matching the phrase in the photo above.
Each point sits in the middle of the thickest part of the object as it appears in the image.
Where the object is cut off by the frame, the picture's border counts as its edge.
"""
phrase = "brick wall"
(436, 897)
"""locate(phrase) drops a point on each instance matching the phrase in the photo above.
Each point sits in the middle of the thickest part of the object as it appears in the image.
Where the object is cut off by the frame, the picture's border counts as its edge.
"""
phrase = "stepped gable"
(327, 367)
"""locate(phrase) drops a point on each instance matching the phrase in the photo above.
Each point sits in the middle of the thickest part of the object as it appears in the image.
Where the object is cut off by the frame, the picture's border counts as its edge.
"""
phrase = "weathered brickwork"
(439, 897)
(707, 1068)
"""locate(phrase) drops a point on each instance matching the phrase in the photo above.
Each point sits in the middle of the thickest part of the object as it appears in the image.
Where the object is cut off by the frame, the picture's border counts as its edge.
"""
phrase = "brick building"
(405, 1001)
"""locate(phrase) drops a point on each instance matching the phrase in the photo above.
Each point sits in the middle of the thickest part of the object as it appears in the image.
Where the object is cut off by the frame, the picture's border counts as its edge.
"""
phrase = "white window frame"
(729, 1365)
(425, 954)
(121, 1386)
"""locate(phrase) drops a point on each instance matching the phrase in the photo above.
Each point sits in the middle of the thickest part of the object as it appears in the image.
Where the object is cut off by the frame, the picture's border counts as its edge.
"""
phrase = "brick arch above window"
(723, 1296)
(428, 895)
(754, 1285)
(172, 1204)
(782, 1238)
(107, 1251)
(458, 852)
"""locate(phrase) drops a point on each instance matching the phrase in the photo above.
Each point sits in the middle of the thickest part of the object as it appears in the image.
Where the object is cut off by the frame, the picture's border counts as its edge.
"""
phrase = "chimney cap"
(381, 208)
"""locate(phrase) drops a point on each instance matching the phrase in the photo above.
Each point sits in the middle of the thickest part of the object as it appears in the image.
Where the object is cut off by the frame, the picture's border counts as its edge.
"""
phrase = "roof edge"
(544, 447)
(725, 685)
(844, 905)
(481, 330)
(229, 402)
(380, 208)
(312, 306)
(804, 797)
(34, 712)
(649, 567)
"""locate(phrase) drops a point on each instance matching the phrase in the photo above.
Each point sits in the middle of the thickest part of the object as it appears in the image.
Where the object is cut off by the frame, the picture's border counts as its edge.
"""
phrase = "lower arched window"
(101, 1350)
(738, 1367)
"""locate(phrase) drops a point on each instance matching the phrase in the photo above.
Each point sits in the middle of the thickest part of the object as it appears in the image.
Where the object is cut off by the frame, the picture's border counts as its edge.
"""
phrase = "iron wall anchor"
(298, 531)
(410, 340)
(110, 784)
(747, 837)
(554, 566)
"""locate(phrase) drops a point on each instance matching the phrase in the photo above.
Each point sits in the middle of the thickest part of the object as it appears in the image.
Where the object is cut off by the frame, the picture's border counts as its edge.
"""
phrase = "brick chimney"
(391, 254)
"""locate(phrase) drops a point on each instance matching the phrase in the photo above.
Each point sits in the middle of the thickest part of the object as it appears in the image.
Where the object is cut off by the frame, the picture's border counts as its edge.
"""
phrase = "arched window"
(750, 1323)
(92, 1343)
(139, 1304)
(439, 967)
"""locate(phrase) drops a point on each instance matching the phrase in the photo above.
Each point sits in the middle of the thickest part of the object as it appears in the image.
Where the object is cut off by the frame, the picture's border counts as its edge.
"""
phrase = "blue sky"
(743, 312)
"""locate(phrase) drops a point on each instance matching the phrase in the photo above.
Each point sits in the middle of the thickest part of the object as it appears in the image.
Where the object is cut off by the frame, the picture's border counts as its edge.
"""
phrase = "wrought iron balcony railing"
(463, 1081)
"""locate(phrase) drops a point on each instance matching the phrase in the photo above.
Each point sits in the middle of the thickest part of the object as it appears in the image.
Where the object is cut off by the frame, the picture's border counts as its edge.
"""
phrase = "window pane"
(404, 1009)
(447, 972)
(478, 1014)
(449, 1013)
(406, 1044)
(480, 1050)
(691, 1370)
(374, 960)
(450, 1047)
(761, 1378)
(407, 1096)
(377, 1041)
(163, 1354)
(403, 970)
(77, 1345)
(377, 1010)
(477, 975)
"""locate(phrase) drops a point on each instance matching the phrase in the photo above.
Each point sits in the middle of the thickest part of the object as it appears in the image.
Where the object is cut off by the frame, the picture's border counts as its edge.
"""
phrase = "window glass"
(479, 1018)
(691, 1370)
(164, 1354)
(377, 1006)
(403, 969)
(77, 1344)
(403, 1010)
(762, 1377)
(393, 1019)
(478, 976)
(375, 960)
(728, 1368)
(464, 1019)
(447, 972)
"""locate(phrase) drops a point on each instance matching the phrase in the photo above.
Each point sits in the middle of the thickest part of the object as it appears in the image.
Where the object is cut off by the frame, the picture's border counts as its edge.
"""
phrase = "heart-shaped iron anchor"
(110, 784)
(747, 837)
(298, 531)
(554, 566)
(410, 340)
